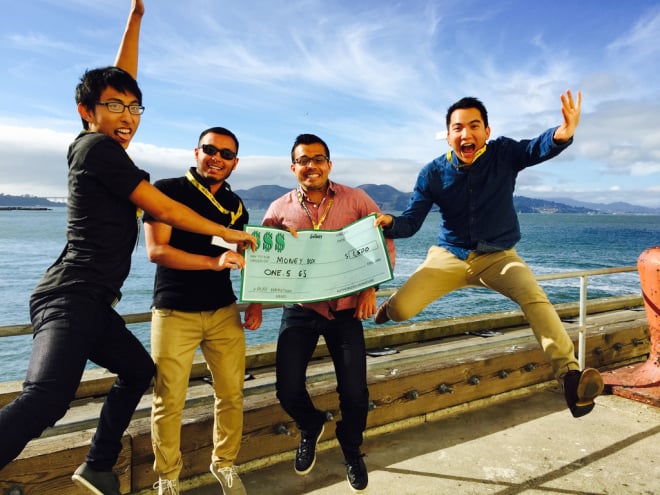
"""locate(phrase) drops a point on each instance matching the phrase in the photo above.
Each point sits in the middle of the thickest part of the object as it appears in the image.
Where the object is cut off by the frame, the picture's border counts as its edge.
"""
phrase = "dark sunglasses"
(225, 153)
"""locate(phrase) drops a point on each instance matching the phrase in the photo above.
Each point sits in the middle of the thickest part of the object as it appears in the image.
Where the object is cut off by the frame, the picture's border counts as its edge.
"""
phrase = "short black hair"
(218, 130)
(309, 139)
(94, 82)
(468, 102)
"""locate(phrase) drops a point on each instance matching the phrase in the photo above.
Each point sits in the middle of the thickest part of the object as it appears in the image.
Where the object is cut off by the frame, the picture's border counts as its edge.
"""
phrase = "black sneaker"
(306, 453)
(580, 390)
(356, 473)
(381, 314)
(97, 482)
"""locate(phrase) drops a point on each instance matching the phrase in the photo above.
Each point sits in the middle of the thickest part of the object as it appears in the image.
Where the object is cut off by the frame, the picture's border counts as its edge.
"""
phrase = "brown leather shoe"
(580, 390)
(381, 313)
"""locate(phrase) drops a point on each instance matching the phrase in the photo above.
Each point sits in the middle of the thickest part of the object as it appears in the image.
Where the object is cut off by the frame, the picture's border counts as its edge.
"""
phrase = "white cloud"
(372, 78)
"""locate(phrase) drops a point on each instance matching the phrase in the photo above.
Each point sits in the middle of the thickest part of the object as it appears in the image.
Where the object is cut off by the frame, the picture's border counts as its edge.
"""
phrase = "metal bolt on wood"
(281, 429)
(412, 394)
(443, 388)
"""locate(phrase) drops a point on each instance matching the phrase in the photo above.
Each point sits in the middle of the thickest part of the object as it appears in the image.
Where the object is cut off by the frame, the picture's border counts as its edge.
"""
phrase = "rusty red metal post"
(642, 381)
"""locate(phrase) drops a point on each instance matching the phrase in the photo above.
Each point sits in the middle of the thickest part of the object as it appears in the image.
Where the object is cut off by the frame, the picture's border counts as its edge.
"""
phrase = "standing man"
(194, 305)
(473, 185)
(72, 307)
(318, 203)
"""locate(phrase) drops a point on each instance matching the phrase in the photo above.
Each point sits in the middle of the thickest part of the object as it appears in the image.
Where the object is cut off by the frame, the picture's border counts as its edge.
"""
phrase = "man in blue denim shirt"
(473, 186)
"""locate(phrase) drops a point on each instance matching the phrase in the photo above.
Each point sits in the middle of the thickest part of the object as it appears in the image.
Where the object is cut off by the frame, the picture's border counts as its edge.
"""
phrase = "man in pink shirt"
(318, 203)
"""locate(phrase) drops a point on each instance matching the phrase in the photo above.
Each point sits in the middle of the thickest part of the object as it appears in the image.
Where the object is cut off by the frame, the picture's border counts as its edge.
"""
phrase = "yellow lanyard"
(479, 152)
(315, 225)
(211, 198)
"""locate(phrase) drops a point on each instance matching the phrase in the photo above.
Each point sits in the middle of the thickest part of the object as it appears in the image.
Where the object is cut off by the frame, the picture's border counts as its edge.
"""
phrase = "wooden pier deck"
(440, 365)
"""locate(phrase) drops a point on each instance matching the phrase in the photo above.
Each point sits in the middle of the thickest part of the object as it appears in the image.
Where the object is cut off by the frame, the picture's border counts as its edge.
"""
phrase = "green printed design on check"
(315, 266)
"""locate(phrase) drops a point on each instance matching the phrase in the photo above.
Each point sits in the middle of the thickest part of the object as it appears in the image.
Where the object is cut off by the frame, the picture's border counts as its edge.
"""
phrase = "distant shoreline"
(31, 208)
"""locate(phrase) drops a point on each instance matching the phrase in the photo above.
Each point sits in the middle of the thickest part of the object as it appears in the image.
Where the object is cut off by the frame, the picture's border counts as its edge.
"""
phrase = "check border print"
(317, 265)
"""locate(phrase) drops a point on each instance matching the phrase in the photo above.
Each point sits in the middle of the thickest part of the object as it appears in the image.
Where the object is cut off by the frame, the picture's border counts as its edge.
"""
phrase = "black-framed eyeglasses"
(118, 107)
(317, 159)
(225, 153)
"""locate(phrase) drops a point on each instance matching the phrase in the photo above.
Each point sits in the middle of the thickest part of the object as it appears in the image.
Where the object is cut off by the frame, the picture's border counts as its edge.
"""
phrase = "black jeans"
(299, 333)
(70, 328)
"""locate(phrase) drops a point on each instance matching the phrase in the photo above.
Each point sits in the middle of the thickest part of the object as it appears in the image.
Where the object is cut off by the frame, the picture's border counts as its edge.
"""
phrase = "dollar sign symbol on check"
(279, 243)
(268, 241)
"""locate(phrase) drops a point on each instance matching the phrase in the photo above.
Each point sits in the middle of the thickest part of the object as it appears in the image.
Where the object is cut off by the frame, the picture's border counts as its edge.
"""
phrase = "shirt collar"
(459, 165)
(330, 192)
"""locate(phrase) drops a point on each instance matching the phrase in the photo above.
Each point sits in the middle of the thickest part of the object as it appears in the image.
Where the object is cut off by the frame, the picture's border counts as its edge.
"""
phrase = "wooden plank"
(46, 465)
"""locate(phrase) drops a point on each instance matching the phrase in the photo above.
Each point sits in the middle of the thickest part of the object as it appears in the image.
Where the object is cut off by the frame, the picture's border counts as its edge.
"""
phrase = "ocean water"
(31, 240)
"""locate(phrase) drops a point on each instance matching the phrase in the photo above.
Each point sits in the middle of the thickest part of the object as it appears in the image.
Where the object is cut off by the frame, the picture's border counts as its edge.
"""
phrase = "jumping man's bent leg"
(440, 273)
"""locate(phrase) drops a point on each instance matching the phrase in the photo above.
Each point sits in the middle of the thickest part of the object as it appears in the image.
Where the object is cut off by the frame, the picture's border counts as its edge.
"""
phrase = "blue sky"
(373, 78)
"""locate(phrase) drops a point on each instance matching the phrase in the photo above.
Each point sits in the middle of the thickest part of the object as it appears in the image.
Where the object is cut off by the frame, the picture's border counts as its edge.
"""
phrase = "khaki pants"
(175, 337)
(502, 271)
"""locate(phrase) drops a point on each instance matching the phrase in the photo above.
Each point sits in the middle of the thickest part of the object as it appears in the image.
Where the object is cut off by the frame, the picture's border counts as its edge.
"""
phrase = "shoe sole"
(356, 490)
(590, 386)
(85, 484)
(306, 471)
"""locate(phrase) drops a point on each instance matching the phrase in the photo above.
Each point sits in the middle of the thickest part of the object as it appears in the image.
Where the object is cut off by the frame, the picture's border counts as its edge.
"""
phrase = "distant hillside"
(619, 207)
(26, 201)
(390, 199)
(530, 205)
(259, 197)
(387, 198)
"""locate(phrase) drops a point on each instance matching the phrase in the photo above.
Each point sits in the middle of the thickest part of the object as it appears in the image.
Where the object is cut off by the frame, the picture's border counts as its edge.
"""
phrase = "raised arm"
(571, 111)
(127, 56)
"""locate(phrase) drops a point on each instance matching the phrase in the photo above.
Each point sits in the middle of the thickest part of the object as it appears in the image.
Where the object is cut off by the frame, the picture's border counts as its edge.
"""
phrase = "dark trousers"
(299, 333)
(69, 329)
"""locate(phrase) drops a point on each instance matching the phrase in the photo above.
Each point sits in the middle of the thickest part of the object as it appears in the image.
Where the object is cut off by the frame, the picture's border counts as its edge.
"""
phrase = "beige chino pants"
(175, 337)
(503, 271)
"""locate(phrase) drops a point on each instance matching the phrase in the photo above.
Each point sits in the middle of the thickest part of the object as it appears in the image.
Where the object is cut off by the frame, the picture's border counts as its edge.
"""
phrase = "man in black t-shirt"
(194, 306)
(72, 307)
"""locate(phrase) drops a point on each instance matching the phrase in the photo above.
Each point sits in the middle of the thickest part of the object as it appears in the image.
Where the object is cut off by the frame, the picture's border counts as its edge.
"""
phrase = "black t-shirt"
(196, 290)
(102, 225)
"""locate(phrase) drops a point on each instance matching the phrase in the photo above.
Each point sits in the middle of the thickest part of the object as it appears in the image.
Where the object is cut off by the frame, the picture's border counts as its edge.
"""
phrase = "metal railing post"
(582, 322)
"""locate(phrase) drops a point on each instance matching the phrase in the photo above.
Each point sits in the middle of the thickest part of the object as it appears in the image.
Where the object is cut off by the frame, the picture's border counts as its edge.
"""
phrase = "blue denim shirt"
(475, 203)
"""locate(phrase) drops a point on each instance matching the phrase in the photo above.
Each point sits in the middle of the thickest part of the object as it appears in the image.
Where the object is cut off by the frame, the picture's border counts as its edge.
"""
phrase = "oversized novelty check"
(316, 265)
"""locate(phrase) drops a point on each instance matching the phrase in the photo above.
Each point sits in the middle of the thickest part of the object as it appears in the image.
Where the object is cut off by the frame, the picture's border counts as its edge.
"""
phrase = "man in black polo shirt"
(72, 307)
(194, 305)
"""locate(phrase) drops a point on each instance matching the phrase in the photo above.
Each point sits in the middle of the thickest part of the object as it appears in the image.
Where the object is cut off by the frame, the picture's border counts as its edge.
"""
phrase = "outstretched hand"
(383, 220)
(570, 109)
(243, 239)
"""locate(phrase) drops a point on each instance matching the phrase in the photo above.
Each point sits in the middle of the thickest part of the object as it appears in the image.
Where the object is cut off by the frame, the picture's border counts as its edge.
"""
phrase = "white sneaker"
(167, 487)
(229, 480)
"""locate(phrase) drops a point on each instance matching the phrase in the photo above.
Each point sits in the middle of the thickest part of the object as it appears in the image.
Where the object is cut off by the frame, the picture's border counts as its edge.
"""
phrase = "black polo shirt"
(196, 290)
(102, 225)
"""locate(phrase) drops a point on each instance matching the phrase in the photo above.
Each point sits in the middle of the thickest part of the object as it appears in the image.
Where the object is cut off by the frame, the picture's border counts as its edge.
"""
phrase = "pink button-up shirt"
(348, 205)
